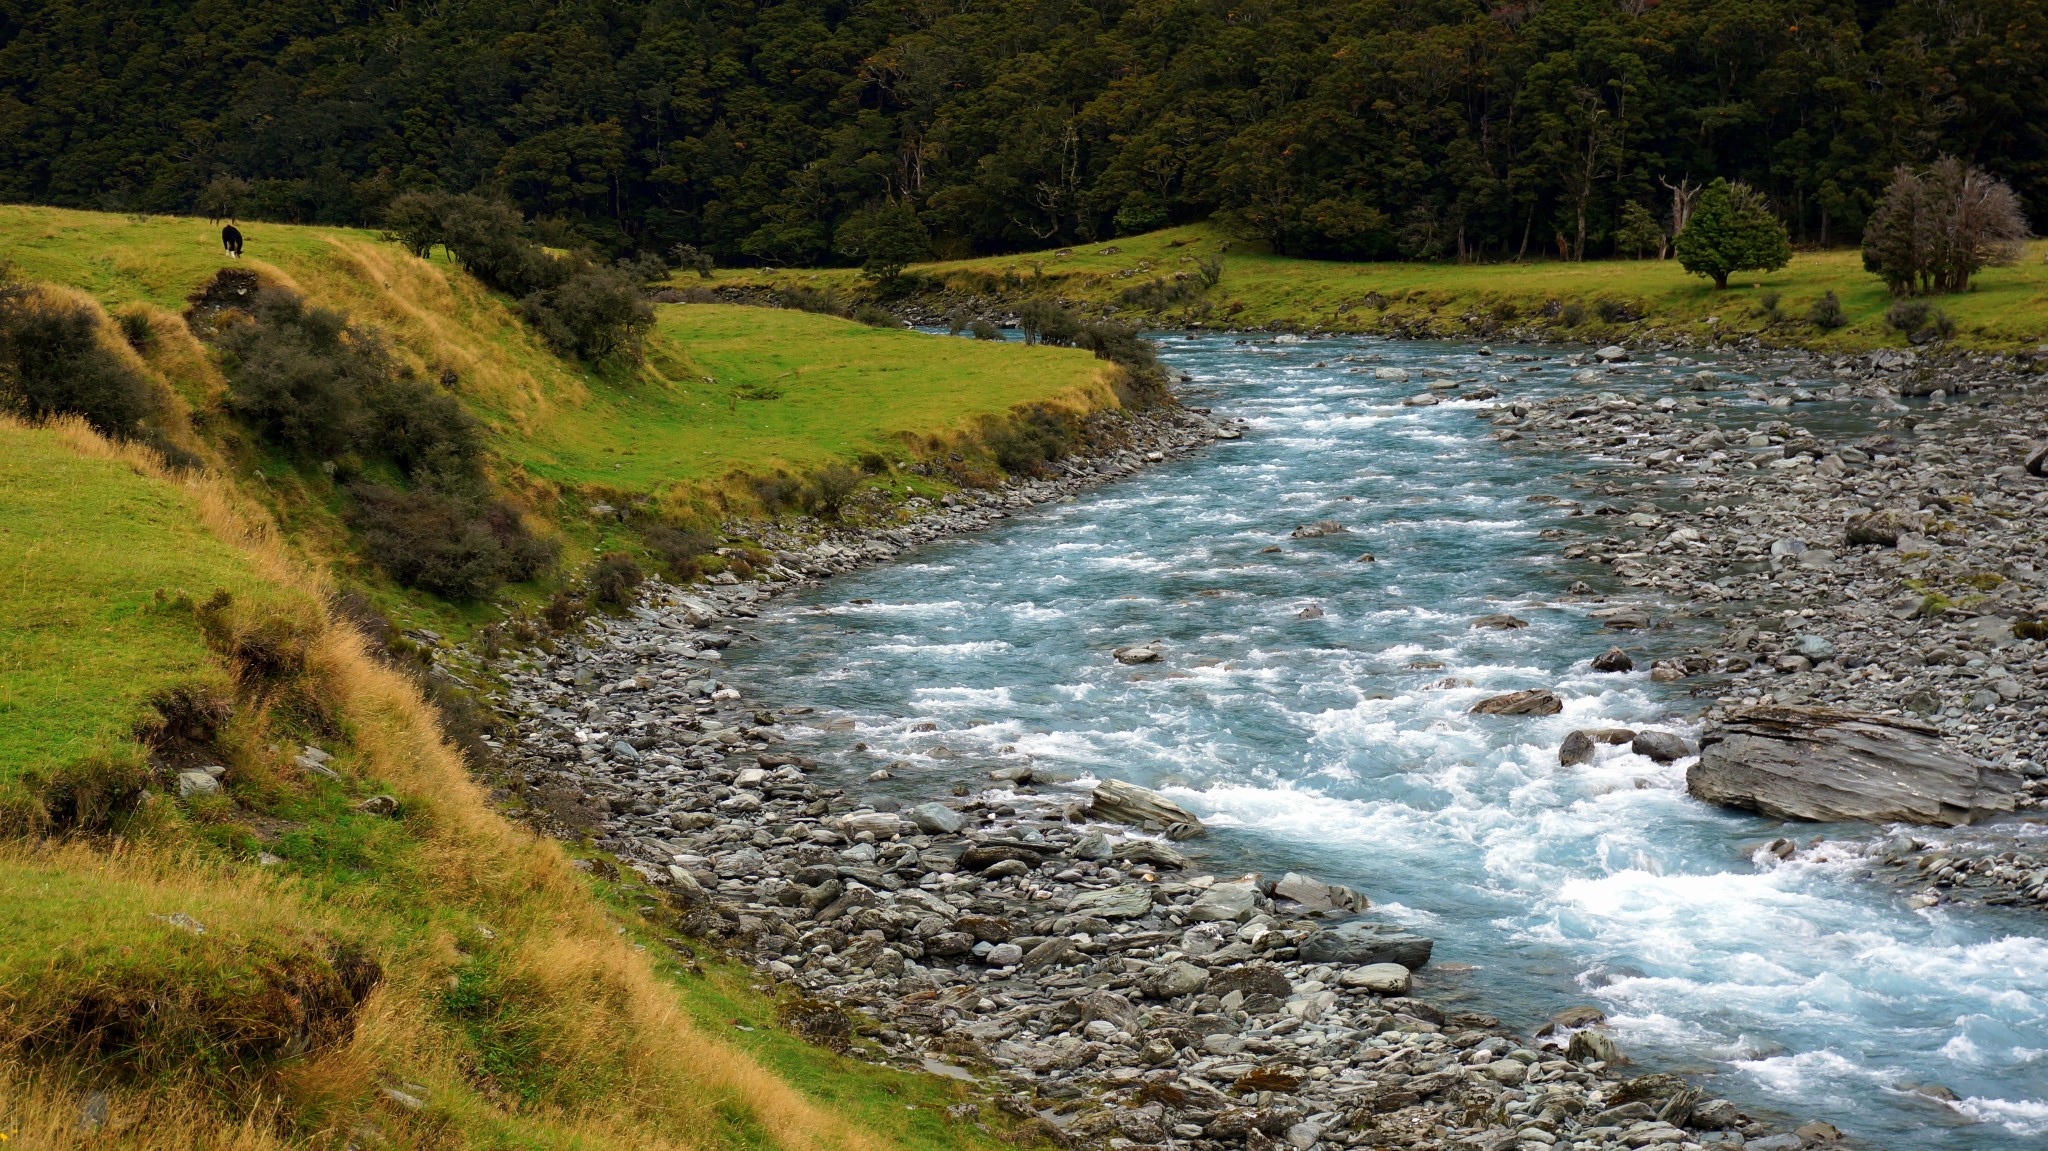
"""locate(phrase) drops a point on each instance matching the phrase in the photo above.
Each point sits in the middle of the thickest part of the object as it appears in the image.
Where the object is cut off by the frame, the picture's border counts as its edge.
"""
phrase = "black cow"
(231, 240)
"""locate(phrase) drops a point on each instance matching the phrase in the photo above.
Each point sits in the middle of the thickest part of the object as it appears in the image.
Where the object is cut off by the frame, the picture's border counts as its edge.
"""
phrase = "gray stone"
(191, 783)
(1113, 799)
(1662, 746)
(1825, 765)
(1592, 1045)
(1784, 1142)
(1378, 978)
(1225, 902)
(1536, 702)
(1127, 902)
(1003, 955)
(936, 819)
(1145, 851)
(1613, 659)
(1359, 944)
(1151, 652)
(1612, 354)
(1577, 749)
(1815, 648)
(1174, 980)
(1500, 622)
(1880, 528)
(1315, 895)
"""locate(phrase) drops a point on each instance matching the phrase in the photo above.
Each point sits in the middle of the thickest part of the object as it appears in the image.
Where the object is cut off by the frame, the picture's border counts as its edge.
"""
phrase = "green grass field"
(2007, 309)
(86, 545)
(785, 388)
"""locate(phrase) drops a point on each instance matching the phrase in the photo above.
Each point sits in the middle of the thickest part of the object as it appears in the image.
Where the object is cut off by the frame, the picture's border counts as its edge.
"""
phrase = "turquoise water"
(1341, 745)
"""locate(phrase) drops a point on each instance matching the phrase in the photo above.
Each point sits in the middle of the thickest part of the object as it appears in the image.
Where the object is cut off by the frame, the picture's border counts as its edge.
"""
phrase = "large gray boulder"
(1828, 765)
(1113, 799)
(1360, 944)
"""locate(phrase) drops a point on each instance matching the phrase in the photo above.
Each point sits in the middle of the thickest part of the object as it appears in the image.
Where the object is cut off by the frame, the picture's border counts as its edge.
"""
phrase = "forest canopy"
(755, 132)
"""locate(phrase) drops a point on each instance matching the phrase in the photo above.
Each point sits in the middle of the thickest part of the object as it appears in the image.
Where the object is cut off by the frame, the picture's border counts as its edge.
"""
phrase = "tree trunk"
(1720, 281)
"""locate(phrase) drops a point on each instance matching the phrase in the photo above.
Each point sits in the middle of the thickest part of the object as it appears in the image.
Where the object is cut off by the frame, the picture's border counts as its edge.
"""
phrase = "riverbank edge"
(843, 552)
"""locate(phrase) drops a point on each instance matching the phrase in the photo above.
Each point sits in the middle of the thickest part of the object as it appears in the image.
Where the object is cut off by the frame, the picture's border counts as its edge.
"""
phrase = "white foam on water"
(2019, 1116)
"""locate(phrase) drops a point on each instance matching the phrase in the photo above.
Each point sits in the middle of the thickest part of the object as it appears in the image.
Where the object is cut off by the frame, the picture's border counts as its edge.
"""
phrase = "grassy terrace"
(2007, 309)
(725, 388)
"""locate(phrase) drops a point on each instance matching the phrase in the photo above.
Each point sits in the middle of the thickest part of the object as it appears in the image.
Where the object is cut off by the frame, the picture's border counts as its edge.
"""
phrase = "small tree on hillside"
(1731, 230)
(413, 220)
(1639, 231)
(885, 240)
(1936, 229)
(223, 197)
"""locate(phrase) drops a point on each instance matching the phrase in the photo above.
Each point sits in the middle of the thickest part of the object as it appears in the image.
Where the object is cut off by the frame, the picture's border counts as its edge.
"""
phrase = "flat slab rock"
(1829, 765)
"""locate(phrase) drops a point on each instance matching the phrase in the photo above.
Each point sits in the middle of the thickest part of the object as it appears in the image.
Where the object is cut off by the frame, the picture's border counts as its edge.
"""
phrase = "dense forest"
(1423, 129)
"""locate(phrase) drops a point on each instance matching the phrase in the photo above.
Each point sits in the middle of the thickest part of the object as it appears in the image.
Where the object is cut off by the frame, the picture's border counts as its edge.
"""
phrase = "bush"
(613, 578)
(1907, 315)
(826, 492)
(875, 317)
(1617, 311)
(1044, 321)
(1572, 314)
(594, 314)
(776, 492)
(1767, 306)
(985, 330)
(678, 548)
(1731, 229)
(457, 547)
(824, 302)
(1827, 314)
(53, 363)
(693, 258)
(884, 239)
(1035, 437)
(413, 220)
(297, 376)
(136, 331)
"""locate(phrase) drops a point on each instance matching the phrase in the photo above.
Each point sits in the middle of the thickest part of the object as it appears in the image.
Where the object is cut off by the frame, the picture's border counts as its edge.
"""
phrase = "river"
(1340, 745)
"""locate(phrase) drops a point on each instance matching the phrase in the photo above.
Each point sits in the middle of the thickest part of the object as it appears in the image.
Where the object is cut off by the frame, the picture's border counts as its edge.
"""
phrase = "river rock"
(1612, 354)
(1378, 978)
(1576, 749)
(1362, 944)
(1613, 659)
(1825, 764)
(936, 819)
(1318, 530)
(1126, 902)
(1113, 799)
(1316, 895)
(880, 824)
(1226, 902)
(1146, 851)
(1883, 527)
(1535, 702)
(1662, 746)
(1592, 1045)
(1500, 621)
(1174, 980)
(2037, 462)
(1150, 652)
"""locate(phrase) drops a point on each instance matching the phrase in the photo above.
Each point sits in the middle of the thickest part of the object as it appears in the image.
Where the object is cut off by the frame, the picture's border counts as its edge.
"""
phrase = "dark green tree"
(885, 240)
(1731, 230)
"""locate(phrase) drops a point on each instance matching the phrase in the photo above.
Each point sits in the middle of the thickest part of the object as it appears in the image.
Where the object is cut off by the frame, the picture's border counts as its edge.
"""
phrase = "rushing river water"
(1341, 745)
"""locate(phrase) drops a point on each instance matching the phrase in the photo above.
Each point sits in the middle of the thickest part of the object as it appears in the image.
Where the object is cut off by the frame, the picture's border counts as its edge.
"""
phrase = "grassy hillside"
(723, 389)
(209, 938)
(2007, 309)
(282, 963)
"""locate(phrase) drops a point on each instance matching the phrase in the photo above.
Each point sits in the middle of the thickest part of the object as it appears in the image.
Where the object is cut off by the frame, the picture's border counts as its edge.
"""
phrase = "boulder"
(1536, 702)
(2037, 461)
(1123, 802)
(1883, 528)
(1613, 659)
(1360, 944)
(1826, 765)
(1378, 978)
(1592, 1045)
(1318, 530)
(1662, 746)
(1612, 354)
(936, 819)
(1150, 652)
(1226, 902)
(1147, 851)
(1315, 895)
(1577, 749)
(1501, 621)
(1173, 980)
(1126, 902)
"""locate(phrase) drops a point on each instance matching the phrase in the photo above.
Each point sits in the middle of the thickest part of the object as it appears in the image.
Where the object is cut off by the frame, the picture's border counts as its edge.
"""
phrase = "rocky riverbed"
(1083, 965)
(1859, 553)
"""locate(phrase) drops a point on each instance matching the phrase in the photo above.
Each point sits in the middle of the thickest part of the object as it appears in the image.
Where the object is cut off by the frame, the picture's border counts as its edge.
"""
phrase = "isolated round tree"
(1731, 230)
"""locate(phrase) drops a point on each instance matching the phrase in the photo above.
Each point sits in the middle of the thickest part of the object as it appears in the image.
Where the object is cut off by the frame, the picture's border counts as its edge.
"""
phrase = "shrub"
(613, 578)
(1572, 314)
(776, 492)
(563, 610)
(1045, 321)
(693, 258)
(1209, 270)
(594, 314)
(983, 329)
(424, 430)
(297, 376)
(678, 548)
(826, 492)
(1827, 314)
(53, 363)
(460, 548)
(1767, 306)
(875, 317)
(957, 320)
(806, 299)
(1934, 230)
(413, 220)
(1907, 315)
(135, 329)
(884, 239)
(1035, 437)
(1616, 311)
